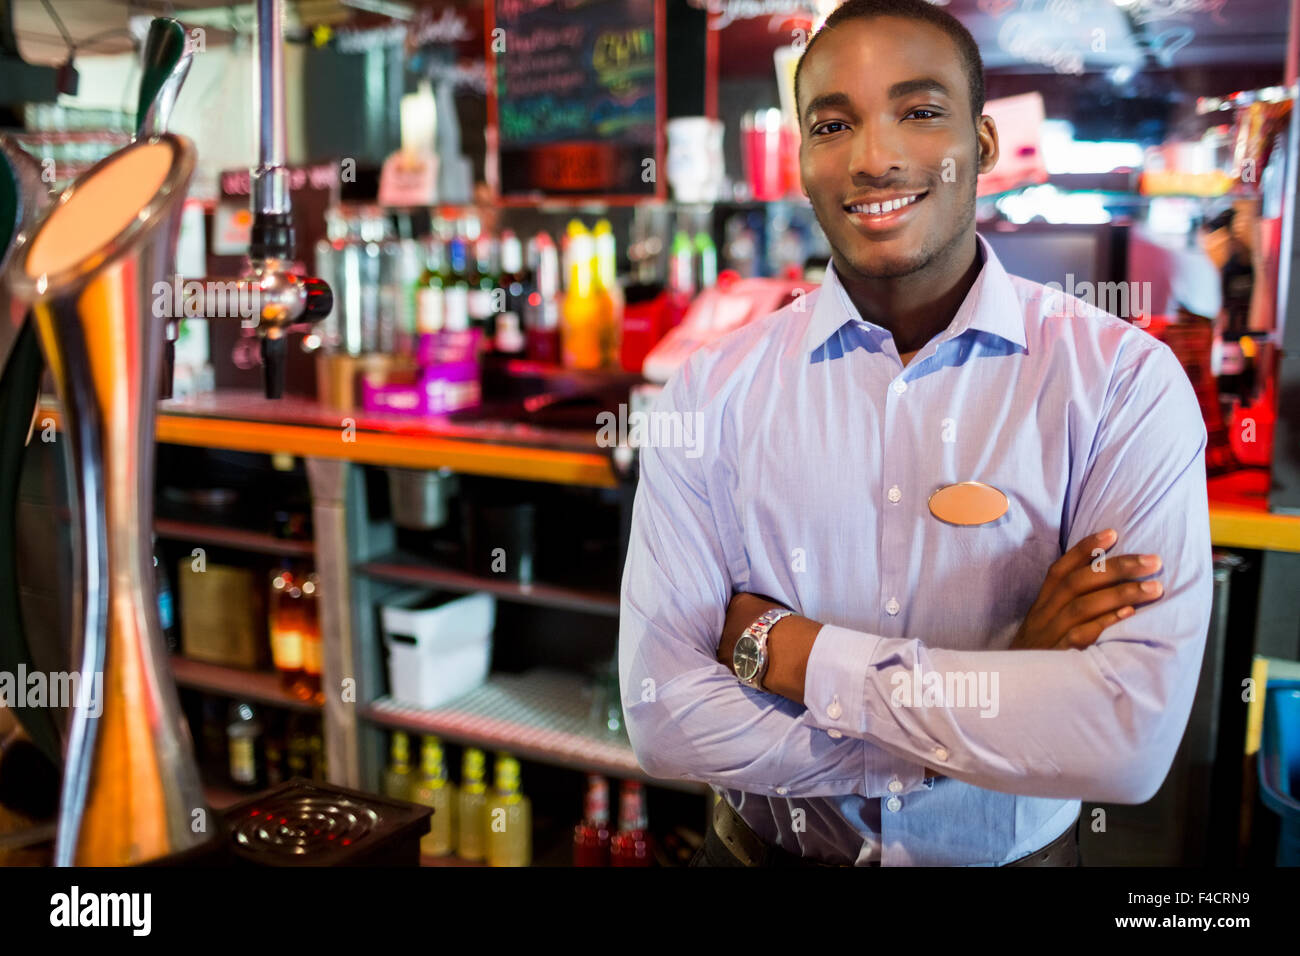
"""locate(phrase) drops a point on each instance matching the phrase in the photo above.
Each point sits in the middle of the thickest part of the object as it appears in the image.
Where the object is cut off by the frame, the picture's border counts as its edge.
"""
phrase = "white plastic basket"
(438, 649)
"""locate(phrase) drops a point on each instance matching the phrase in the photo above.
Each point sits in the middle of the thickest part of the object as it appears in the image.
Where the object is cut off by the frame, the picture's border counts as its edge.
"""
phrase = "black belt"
(745, 847)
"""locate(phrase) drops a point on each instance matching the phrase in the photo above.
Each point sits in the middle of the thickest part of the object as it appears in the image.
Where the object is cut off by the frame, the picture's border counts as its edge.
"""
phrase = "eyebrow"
(922, 84)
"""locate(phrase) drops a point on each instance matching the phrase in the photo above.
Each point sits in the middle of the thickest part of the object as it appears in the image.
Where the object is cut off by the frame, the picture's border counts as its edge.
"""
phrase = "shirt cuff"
(835, 685)
(836, 678)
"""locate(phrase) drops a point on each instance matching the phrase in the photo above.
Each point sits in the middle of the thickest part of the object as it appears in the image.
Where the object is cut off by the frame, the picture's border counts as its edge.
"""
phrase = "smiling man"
(874, 609)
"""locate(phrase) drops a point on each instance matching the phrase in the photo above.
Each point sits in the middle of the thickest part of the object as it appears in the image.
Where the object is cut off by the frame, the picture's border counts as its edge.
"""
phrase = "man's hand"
(1076, 603)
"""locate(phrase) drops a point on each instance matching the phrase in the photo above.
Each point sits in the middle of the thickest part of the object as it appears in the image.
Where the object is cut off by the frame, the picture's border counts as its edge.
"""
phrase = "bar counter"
(245, 421)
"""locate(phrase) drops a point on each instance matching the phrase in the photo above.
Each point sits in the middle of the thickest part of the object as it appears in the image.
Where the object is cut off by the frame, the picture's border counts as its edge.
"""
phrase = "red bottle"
(630, 846)
(591, 836)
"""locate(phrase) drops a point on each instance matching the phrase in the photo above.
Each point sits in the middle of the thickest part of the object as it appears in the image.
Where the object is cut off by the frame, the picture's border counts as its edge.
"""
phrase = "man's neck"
(917, 307)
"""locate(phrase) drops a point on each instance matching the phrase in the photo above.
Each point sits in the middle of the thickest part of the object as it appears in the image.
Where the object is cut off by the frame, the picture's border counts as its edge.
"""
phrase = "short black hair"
(909, 10)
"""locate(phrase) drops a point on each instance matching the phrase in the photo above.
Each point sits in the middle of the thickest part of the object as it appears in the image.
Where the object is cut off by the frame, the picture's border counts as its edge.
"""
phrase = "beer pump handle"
(163, 68)
(165, 63)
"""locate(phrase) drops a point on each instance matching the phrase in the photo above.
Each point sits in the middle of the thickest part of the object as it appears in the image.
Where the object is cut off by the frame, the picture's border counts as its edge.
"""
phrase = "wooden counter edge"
(521, 462)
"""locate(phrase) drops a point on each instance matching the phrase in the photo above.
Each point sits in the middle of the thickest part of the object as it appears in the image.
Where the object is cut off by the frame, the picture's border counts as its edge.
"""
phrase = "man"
(927, 702)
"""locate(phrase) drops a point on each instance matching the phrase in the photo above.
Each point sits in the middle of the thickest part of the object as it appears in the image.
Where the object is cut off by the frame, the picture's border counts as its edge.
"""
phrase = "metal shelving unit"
(541, 715)
(406, 569)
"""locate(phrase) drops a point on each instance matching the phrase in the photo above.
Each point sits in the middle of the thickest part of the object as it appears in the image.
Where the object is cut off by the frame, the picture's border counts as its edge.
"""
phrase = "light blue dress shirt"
(800, 467)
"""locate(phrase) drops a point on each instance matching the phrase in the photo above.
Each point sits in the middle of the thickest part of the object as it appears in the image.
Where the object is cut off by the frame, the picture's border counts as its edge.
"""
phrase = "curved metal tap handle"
(166, 62)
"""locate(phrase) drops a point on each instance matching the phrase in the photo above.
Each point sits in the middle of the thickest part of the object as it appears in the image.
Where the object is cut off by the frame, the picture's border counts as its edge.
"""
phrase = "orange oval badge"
(968, 503)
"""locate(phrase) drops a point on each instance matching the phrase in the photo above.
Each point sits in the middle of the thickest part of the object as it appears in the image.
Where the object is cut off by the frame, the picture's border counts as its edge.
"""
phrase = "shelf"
(1239, 515)
(541, 715)
(236, 538)
(407, 569)
(239, 420)
(260, 687)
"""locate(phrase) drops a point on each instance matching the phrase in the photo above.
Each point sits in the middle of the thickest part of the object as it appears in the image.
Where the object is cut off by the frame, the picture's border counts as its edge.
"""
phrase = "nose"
(876, 151)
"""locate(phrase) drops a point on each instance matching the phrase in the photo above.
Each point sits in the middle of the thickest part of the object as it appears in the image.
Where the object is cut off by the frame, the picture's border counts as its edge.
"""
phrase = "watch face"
(745, 658)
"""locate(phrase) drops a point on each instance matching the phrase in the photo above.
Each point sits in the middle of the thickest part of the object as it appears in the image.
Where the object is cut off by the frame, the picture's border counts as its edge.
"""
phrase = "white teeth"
(877, 208)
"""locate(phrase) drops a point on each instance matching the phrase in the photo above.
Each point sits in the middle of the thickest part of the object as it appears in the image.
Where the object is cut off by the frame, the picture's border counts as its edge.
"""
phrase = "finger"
(1090, 579)
(1084, 635)
(1086, 607)
(1081, 555)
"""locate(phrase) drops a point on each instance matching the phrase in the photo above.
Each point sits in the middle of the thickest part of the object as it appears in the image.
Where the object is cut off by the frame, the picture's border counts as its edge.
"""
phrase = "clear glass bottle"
(434, 790)
(509, 818)
(397, 778)
(472, 823)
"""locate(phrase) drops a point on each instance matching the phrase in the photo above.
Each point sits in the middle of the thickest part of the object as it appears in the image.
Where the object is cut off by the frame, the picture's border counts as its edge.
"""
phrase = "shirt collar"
(992, 305)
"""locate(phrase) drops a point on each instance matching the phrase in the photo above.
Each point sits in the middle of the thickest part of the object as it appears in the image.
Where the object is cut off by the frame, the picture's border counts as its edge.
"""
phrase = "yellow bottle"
(433, 789)
(581, 315)
(472, 802)
(397, 778)
(608, 292)
(509, 818)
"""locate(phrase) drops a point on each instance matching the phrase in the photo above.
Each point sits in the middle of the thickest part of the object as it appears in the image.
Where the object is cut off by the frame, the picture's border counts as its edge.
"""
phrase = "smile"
(884, 208)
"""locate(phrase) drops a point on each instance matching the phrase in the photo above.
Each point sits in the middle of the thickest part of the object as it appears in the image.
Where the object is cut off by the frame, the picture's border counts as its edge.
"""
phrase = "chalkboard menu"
(577, 94)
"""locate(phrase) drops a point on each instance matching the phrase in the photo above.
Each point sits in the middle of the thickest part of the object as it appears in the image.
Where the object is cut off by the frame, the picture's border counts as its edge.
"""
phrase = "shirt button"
(834, 734)
(782, 790)
(892, 606)
(834, 710)
(895, 785)
(893, 804)
(895, 494)
(941, 754)
(900, 387)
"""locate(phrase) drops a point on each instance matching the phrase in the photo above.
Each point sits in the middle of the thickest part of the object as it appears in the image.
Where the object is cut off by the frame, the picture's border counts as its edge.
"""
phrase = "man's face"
(886, 114)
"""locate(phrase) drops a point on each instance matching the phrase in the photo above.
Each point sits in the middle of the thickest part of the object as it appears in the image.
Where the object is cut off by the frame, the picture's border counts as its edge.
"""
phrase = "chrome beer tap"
(281, 300)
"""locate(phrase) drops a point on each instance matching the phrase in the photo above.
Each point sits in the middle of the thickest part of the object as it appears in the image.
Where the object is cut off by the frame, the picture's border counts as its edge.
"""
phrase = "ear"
(986, 133)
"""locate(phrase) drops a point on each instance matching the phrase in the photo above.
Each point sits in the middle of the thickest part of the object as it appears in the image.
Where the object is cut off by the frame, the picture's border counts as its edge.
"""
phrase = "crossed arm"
(1101, 723)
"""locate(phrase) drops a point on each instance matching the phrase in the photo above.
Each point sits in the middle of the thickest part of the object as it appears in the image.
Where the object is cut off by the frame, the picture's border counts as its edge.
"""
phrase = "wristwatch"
(749, 658)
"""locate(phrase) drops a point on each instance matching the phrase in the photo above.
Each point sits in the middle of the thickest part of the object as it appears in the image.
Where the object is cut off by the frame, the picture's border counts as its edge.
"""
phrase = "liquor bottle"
(581, 314)
(307, 686)
(681, 277)
(397, 778)
(482, 282)
(316, 755)
(706, 258)
(542, 314)
(429, 296)
(274, 754)
(681, 265)
(609, 292)
(630, 846)
(166, 604)
(284, 626)
(297, 749)
(472, 822)
(591, 836)
(244, 744)
(509, 340)
(509, 818)
(455, 289)
(433, 789)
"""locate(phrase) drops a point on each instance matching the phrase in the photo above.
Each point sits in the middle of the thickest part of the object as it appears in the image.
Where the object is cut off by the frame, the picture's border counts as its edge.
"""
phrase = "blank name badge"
(968, 503)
